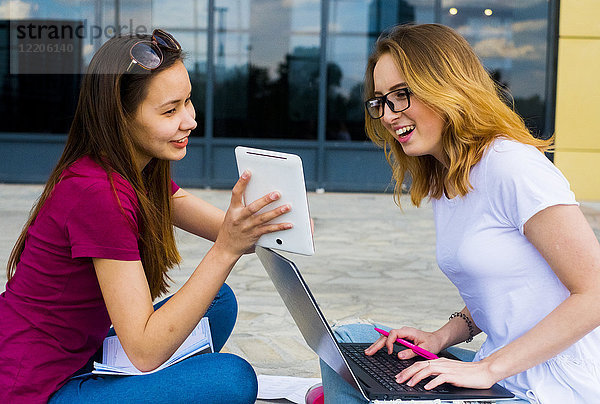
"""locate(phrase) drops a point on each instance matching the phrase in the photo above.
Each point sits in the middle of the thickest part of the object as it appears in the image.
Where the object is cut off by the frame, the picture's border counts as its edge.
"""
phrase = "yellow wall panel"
(578, 94)
(579, 18)
(582, 169)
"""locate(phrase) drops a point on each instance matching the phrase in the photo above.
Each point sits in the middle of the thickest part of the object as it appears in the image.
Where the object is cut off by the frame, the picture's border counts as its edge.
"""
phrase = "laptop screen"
(306, 313)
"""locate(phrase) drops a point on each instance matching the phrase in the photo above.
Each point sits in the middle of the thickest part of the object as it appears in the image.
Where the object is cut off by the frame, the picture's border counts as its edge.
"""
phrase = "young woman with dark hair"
(99, 242)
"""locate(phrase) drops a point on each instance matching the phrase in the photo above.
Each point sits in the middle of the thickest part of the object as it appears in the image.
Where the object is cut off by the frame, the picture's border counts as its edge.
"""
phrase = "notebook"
(373, 378)
(116, 363)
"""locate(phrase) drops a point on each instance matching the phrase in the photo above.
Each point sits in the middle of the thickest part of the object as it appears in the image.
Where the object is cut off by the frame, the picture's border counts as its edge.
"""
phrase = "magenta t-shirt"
(52, 314)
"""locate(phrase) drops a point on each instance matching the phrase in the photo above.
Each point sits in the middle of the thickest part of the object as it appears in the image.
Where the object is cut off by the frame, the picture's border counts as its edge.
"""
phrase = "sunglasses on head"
(147, 54)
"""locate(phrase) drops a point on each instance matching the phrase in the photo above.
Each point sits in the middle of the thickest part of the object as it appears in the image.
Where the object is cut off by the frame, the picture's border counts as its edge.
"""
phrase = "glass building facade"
(280, 74)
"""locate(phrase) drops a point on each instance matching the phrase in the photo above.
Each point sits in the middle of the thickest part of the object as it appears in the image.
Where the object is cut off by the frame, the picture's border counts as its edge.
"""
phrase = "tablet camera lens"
(279, 241)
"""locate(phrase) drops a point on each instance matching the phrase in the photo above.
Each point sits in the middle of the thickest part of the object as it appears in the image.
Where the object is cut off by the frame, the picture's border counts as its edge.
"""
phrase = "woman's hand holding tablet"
(281, 172)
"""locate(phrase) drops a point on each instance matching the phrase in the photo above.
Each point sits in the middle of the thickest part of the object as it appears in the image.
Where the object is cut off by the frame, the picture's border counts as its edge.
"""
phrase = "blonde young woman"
(510, 234)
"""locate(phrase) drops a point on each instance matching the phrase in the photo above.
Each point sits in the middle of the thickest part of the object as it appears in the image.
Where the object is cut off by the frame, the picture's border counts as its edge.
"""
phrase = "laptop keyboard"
(384, 368)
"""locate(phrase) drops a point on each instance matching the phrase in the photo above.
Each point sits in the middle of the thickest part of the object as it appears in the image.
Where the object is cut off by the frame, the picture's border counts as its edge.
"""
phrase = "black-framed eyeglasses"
(396, 100)
(147, 54)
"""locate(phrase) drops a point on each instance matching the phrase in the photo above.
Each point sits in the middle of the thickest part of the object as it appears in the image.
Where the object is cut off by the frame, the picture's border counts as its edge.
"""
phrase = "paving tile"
(373, 261)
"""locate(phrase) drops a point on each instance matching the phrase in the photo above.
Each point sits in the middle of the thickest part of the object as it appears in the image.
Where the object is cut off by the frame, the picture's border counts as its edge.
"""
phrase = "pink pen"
(418, 350)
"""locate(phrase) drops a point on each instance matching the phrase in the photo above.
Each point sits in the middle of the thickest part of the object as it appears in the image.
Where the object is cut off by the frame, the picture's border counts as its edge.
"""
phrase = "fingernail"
(274, 195)
(246, 174)
(284, 209)
(289, 226)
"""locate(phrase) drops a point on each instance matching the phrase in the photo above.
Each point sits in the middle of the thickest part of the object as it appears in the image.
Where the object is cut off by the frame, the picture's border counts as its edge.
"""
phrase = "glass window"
(354, 26)
(43, 46)
(510, 38)
(266, 57)
(181, 13)
(46, 84)
(266, 68)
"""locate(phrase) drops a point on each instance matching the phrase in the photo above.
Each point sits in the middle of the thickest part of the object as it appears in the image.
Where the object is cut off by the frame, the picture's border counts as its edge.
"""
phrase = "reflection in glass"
(181, 13)
(42, 102)
(267, 68)
(510, 38)
(267, 58)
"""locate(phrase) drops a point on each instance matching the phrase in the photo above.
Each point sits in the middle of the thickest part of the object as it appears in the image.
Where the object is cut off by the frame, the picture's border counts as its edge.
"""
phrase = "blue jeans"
(338, 391)
(207, 378)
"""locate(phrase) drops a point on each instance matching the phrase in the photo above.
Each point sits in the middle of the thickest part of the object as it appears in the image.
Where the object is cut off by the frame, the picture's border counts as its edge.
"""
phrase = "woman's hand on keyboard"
(426, 340)
(475, 375)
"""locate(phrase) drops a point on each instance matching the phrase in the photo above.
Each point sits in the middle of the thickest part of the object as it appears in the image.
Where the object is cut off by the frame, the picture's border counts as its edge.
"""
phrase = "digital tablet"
(282, 172)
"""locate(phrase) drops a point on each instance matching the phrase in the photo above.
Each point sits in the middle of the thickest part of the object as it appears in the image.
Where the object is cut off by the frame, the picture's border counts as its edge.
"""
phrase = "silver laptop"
(372, 376)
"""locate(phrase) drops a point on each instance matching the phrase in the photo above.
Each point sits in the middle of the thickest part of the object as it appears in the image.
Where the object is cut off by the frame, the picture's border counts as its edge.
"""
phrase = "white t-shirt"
(505, 283)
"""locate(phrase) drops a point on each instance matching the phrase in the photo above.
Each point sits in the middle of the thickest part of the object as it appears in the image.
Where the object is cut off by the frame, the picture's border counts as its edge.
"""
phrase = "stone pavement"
(373, 261)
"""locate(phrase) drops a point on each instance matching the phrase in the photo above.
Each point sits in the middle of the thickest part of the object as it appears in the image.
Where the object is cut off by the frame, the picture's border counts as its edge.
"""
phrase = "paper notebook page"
(198, 337)
(113, 354)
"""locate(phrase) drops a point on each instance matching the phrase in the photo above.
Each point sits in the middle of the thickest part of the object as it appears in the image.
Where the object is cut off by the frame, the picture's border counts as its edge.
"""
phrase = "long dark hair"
(102, 129)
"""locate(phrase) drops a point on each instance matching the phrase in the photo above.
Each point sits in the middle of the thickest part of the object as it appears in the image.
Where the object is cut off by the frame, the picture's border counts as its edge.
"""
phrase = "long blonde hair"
(441, 69)
(101, 129)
